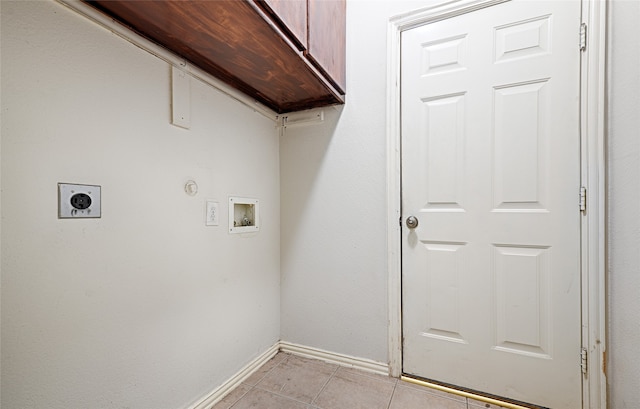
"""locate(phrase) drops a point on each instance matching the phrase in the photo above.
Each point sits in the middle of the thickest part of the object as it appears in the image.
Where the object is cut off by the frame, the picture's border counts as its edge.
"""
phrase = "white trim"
(180, 98)
(593, 108)
(335, 358)
(394, 255)
(441, 11)
(166, 55)
(308, 117)
(593, 174)
(221, 391)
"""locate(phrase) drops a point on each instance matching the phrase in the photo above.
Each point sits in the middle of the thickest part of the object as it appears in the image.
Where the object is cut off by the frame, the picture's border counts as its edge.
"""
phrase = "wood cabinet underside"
(235, 41)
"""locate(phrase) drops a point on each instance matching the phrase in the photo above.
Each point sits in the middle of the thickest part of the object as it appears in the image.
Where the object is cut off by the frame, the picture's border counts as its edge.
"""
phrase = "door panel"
(490, 167)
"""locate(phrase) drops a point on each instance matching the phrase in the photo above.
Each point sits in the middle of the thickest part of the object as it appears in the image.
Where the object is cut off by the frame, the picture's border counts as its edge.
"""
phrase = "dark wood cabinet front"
(245, 45)
(326, 40)
(292, 15)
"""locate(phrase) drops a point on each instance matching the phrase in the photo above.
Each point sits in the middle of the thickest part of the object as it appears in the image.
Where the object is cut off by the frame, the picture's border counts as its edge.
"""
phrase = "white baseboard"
(221, 391)
(300, 350)
(335, 358)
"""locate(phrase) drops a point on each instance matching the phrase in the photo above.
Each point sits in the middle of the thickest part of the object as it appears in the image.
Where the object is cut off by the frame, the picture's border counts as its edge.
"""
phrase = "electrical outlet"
(212, 217)
(78, 201)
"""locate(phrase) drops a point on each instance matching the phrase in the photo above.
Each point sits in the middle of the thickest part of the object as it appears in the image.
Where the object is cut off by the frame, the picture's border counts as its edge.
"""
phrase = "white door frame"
(592, 133)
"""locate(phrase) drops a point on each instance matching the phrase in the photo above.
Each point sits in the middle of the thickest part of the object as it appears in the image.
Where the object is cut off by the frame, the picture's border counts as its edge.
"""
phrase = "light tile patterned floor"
(292, 382)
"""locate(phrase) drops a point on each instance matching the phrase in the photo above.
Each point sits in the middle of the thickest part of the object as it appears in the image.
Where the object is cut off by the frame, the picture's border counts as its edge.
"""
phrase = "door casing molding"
(592, 134)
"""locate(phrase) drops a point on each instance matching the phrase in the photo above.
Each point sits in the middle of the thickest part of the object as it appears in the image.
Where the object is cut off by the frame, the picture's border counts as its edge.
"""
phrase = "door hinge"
(583, 360)
(583, 37)
(583, 199)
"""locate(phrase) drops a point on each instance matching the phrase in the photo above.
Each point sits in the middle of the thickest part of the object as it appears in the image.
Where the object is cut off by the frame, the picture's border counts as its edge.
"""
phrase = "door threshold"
(469, 393)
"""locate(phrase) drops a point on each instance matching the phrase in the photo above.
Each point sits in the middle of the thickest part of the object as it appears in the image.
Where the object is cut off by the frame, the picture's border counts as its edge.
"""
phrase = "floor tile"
(260, 399)
(432, 391)
(476, 404)
(265, 369)
(232, 397)
(387, 378)
(349, 389)
(412, 398)
(298, 378)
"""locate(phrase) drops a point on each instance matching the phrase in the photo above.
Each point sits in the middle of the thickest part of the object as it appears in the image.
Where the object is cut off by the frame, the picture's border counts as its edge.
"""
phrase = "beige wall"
(145, 307)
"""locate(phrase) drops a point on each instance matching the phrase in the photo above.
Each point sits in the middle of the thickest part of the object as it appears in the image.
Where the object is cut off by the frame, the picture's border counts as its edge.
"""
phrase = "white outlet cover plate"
(67, 211)
(212, 216)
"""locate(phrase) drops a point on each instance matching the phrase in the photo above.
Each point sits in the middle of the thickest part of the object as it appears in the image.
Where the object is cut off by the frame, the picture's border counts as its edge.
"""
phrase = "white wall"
(624, 205)
(145, 307)
(334, 278)
(168, 309)
(333, 196)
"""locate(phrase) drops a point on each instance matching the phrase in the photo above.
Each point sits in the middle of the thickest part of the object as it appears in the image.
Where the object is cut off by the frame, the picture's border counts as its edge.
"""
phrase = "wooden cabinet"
(318, 27)
(288, 54)
(291, 15)
(326, 39)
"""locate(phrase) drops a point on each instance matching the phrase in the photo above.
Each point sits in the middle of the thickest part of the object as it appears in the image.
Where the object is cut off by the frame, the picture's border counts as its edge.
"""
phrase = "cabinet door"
(326, 41)
(291, 16)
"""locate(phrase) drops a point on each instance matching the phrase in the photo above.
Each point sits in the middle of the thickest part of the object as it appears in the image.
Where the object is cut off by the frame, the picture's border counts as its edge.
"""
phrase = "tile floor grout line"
(251, 387)
(285, 397)
(313, 401)
(240, 398)
(395, 386)
(448, 396)
(271, 397)
(370, 375)
(270, 370)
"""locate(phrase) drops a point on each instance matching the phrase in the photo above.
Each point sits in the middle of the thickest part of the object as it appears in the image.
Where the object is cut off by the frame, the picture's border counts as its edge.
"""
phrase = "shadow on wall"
(302, 153)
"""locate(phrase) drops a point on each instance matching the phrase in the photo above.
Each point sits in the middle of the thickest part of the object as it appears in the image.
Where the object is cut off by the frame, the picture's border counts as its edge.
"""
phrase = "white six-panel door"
(490, 169)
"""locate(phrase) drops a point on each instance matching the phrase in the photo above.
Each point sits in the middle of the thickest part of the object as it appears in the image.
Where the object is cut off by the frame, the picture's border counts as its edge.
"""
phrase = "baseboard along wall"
(294, 349)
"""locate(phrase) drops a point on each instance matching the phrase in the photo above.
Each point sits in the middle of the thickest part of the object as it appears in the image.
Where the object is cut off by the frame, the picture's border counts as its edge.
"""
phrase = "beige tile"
(260, 399)
(413, 398)
(298, 378)
(475, 404)
(349, 389)
(432, 391)
(266, 368)
(386, 378)
(280, 357)
(232, 397)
